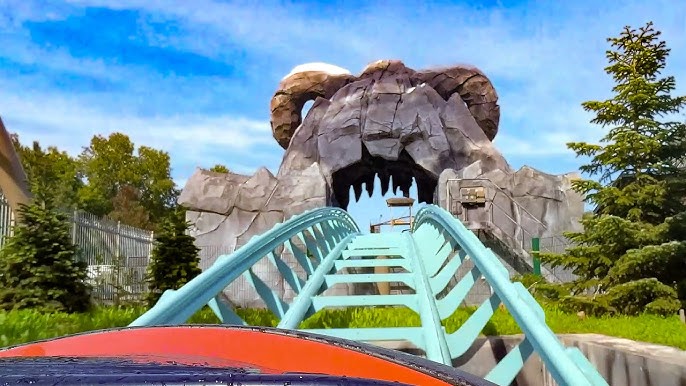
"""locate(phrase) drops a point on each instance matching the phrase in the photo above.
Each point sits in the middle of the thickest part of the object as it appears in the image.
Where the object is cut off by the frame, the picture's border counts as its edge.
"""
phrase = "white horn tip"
(318, 67)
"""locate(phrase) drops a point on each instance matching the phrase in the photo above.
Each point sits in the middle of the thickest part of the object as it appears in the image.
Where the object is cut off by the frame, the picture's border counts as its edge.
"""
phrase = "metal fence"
(6, 220)
(117, 255)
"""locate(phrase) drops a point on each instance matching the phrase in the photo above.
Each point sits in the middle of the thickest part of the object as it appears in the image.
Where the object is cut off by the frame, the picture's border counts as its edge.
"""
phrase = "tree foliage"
(110, 177)
(111, 164)
(39, 265)
(53, 175)
(128, 209)
(218, 168)
(631, 250)
(175, 258)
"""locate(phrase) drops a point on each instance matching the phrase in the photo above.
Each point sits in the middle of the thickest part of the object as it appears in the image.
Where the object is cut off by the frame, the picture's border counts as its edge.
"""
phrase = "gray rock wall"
(227, 210)
(392, 122)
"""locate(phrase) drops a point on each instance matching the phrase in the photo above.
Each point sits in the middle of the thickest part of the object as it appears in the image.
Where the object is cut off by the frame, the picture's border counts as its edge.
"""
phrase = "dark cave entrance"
(394, 175)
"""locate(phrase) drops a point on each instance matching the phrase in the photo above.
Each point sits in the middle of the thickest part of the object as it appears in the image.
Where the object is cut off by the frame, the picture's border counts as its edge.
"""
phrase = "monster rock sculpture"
(390, 121)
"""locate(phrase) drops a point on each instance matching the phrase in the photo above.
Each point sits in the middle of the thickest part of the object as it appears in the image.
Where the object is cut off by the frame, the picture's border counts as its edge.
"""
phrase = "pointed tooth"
(404, 182)
(424, 192)
(369, 183)
(345, 199)
(357, 186)
(385, 180)
(395, 184)
(405, 185)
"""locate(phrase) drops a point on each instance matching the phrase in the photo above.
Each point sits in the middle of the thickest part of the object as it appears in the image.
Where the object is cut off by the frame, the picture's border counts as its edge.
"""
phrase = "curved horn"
(476, 91)
(304, 83)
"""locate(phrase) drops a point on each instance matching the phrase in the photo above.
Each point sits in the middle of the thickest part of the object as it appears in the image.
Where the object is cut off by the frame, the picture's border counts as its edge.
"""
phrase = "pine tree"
(40, 266)
(631, 250)
(175, 258)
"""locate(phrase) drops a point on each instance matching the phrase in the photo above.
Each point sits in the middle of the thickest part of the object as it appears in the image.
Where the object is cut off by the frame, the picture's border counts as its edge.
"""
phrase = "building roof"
(400, 201)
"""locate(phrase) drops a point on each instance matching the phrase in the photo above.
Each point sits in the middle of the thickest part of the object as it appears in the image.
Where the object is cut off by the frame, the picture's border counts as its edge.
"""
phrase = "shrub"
(597, 306)
(39, 265)
(174, 259)
(632, 298)
(541, 289)
(528, 280)
(550, 291)
(663, 307)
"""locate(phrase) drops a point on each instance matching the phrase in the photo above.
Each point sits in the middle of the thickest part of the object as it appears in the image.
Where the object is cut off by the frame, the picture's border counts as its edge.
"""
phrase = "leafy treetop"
(218, 168)
(110, 177)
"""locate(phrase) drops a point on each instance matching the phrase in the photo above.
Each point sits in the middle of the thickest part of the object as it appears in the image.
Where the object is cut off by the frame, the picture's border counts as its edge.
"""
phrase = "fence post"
(118, 240)
(74, 221)
(151, 245)
(536, 254)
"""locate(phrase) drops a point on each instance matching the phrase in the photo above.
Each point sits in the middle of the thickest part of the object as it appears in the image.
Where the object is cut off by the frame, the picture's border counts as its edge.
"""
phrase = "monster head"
(389, 121)
(435, 127)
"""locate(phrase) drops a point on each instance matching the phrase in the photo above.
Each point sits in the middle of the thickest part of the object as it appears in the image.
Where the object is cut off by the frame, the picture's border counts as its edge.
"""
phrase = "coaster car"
(203, 355)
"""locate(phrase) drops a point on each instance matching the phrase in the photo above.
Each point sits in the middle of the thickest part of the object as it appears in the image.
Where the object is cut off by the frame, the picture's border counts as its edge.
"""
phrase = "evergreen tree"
(175, 258)
(631, 250)
(39, 265)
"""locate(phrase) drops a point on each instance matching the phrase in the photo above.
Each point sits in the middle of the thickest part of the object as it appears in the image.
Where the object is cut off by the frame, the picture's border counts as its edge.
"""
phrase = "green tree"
(174, 259)
(218, 168)
(110, 164)
(53, 175)
(157, 188)
(127, 208)
(631, 251)
(40, 266)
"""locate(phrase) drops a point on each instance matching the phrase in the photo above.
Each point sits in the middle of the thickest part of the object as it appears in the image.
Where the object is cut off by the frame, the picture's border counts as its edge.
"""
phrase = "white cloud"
(544, 60)
(69, 125)
(553, 53)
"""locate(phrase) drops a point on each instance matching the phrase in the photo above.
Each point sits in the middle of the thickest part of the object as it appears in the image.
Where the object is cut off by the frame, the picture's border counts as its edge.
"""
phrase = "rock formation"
(391, 122)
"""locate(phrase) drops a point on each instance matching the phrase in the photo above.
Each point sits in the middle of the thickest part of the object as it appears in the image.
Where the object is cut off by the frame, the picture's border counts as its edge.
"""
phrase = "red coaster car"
(218, 355)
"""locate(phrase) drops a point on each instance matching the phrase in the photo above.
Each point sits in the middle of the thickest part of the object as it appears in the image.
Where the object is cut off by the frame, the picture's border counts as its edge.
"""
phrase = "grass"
(29, 325)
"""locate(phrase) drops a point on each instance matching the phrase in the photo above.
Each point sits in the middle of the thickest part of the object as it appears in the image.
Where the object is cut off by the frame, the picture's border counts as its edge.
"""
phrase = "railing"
(521, 236)
(6, 220)
(117, 255)
(435, 226)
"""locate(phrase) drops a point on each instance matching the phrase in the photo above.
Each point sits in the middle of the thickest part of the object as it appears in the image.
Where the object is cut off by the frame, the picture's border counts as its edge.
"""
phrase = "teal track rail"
(326, 242)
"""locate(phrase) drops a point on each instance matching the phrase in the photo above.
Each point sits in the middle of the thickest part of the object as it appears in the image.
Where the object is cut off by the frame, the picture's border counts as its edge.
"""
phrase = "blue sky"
(195, 78)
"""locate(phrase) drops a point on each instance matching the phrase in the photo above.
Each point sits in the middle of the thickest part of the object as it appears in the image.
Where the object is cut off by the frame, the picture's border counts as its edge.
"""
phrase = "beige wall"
(13, 181)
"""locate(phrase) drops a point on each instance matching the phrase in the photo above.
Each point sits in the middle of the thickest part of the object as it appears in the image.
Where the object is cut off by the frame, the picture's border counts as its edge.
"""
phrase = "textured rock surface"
(541, 204)
(390, 122)
(294, 91)
(519, 206)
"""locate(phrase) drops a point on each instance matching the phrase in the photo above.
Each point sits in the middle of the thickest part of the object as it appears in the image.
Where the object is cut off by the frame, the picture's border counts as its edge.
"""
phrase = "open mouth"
(391, 122)
(394, 174)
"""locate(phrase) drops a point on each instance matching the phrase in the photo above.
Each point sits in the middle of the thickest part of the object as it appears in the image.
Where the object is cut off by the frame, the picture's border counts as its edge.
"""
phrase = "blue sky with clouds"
(195, 78)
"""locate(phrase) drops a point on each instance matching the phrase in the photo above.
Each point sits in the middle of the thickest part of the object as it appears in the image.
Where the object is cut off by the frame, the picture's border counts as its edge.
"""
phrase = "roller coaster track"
(326, 243)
